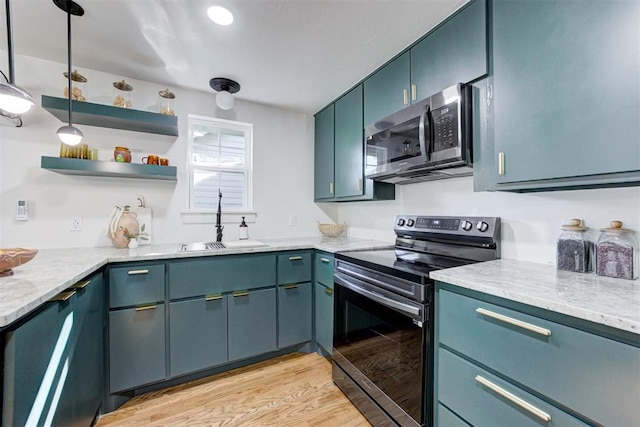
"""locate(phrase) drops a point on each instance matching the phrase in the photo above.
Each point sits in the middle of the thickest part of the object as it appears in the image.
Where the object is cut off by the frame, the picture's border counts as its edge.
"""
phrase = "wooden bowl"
(14, 257)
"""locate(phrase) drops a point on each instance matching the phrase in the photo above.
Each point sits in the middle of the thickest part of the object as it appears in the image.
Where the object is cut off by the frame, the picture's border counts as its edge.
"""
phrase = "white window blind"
(219, 158)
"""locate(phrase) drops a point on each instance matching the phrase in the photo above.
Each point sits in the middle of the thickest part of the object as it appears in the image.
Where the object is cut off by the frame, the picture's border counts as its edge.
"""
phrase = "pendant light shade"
(225, 87)
(69, 134)
(13, 99)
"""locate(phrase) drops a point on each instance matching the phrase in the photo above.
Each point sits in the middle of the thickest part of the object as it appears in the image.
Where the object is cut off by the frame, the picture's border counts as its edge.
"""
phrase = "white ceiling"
(297, 54)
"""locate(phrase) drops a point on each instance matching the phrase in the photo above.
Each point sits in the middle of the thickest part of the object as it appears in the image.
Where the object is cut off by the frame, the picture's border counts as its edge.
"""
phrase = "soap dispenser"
(243, 233)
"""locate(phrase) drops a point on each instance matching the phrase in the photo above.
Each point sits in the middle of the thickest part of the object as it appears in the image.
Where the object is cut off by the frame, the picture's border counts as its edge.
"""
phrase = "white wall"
(283, 168)
(530, 221)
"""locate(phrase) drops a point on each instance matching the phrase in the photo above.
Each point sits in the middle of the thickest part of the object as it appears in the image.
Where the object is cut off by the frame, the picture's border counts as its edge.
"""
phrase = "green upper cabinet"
(387, 90)
(455, 52)
(324, 154)
(349, 145)
(566, 93)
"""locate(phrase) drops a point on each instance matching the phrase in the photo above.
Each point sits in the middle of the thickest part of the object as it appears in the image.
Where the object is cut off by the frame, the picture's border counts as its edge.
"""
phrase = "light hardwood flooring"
(291, 390)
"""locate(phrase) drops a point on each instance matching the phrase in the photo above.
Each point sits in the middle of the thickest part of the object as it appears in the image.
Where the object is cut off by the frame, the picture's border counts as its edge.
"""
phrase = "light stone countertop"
(603, 300)
(54, 270)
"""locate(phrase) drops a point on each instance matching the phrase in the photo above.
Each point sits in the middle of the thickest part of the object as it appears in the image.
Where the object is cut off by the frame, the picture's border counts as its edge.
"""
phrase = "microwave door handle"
(425, 130)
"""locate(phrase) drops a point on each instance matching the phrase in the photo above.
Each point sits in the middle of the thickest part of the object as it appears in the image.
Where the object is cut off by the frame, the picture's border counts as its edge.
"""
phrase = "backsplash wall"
(530, 221)
(283, 165)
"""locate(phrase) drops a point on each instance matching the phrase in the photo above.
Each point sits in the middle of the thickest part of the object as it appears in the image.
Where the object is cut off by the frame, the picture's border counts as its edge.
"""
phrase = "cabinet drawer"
(324, 269)
(294, 268)
(217, 274)
(570, 366)
(136, 284)
(475, 395)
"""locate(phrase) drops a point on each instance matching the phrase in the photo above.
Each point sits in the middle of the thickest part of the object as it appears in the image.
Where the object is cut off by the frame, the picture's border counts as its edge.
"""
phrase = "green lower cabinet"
(252, 323)
(324, 317)
(136, 347)
(197, 334)
(294, 314)
(483, 399)
(446, 418)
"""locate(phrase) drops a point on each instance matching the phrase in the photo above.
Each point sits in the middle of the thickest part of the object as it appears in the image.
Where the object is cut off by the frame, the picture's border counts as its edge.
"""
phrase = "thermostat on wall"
(22, 212)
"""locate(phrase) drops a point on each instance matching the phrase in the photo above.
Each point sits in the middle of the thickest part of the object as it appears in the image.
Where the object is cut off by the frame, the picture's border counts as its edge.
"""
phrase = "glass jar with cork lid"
(617, 252)
(574, 248)
(165, 102)
(122, 94)
(78, 87)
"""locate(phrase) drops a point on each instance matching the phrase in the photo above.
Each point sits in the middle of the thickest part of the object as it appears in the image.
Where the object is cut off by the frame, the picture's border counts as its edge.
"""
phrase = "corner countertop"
(54, 270)
(603, 300)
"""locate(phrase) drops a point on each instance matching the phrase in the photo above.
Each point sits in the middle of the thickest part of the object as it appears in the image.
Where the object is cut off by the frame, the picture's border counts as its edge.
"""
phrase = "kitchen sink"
(201, 246)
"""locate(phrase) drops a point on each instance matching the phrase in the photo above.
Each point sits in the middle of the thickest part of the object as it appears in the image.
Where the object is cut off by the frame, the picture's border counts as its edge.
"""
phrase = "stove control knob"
(410, 223)
(466, 225)
(400, 222)
(482, 226)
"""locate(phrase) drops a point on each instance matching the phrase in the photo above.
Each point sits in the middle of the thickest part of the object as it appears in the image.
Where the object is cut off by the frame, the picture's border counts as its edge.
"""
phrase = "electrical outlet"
(75, 224)
(293, 220)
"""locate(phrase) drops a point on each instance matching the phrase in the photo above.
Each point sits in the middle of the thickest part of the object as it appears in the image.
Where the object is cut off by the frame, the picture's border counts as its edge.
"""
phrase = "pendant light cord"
(68, 61)
(9, 41)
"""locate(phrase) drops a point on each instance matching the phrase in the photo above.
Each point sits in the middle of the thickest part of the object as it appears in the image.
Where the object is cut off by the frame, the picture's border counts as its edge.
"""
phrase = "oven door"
(380, 341)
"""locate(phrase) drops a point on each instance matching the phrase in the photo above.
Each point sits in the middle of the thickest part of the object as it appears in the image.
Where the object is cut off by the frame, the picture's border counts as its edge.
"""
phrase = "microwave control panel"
(445, 127)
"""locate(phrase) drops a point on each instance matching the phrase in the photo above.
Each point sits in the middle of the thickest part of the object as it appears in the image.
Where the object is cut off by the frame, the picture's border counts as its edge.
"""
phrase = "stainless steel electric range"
(383, 317)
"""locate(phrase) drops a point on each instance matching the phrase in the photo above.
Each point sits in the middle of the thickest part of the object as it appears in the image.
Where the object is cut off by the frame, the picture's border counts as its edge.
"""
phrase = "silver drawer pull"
(515, 322)
(295, 258)
(515, 399)
(138, 272)
(325, 260)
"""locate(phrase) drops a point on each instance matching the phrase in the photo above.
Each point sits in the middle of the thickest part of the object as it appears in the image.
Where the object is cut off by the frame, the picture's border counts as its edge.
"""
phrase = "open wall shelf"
(67, 166)
(107, 116)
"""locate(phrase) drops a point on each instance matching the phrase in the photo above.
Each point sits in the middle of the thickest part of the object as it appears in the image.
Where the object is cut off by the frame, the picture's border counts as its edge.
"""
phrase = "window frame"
(196, 120)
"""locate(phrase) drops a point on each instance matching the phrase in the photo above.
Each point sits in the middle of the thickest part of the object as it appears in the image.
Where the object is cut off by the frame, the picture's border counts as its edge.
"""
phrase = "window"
(219, 154)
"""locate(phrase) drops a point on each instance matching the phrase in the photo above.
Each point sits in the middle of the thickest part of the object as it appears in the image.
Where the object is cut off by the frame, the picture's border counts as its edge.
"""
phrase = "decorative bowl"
(14, 257)
(332, 230)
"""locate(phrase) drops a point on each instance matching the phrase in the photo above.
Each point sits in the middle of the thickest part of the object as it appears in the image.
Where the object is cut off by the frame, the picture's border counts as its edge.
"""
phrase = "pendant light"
(69, 134)
(225, 87)
(13, 99)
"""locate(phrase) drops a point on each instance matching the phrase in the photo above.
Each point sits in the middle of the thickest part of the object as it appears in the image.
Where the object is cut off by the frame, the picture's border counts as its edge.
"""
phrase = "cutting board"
(145, 219)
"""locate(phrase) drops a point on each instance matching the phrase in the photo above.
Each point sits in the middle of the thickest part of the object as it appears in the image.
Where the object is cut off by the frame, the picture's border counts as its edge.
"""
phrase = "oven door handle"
(381, 299)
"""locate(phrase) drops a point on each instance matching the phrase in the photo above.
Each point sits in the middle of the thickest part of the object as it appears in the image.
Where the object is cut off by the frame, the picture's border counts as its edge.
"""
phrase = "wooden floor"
(291, 390)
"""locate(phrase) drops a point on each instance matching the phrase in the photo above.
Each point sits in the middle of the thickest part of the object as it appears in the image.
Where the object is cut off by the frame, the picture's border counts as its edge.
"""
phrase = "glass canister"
(617, 252)
(122, 94)
(165, 102)
(574, 248)
(78, 87)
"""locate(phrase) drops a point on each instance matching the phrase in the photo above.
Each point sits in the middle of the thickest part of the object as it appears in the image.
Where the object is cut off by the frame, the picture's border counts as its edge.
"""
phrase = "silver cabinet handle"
(414, 92)
(331, 188)
(138, 272)
(405, 97)
(515, 322)
(325, 260)
(514, 399)
(501, 163)
(295, 258)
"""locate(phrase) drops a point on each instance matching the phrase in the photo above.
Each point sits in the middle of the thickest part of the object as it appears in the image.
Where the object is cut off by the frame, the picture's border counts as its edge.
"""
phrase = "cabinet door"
(86, 373)
(324, 154)
(566, 88)
(455, 52)
(252, 323)
(349, 144)
(197, 334)
(294, 267)
(136, 347)
(324, 317)
(294, 314)
(324, 269)
(37, 358)
(387, 91)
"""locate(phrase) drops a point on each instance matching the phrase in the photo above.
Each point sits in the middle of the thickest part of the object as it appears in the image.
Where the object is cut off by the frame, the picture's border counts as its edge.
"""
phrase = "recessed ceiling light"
(220, 15)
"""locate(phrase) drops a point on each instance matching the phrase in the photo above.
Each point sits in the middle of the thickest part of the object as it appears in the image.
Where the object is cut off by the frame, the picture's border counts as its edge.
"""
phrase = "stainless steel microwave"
(428, 140)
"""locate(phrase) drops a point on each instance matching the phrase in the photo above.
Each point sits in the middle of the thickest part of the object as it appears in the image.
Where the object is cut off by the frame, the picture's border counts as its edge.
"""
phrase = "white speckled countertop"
(611, 302)
(54, 270)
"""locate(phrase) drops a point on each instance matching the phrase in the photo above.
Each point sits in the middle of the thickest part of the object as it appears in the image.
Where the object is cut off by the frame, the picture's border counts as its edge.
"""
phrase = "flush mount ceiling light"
(225, 87)
(69, 134)
(220, 15)
(13, 99)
